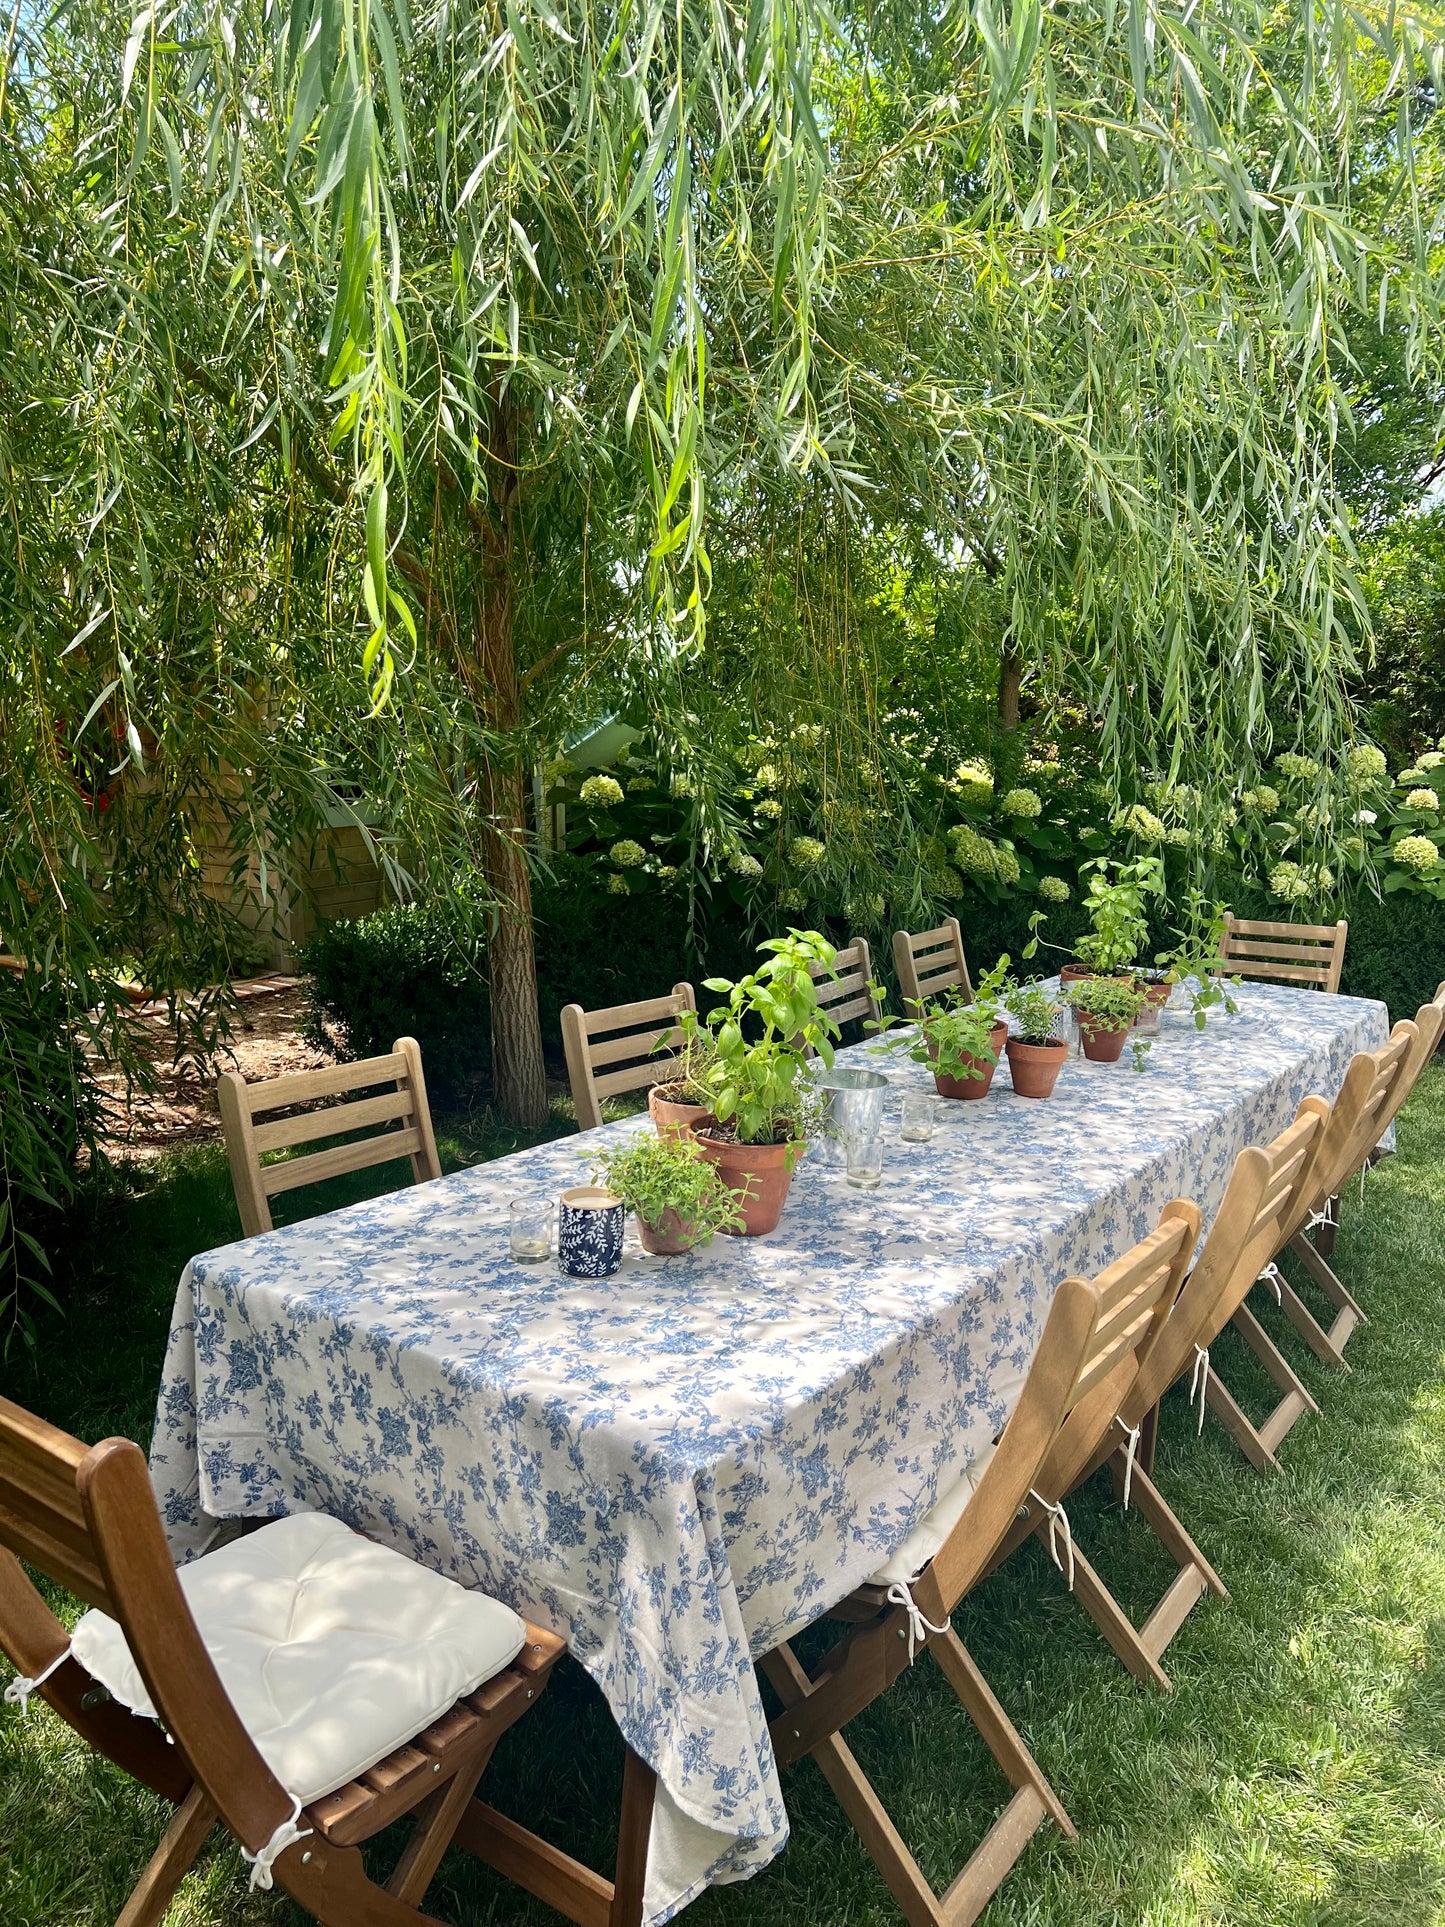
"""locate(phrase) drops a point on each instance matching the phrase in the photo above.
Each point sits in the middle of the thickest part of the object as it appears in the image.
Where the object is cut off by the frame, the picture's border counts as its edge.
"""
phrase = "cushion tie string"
(1274, 1278)
(286, 1835)
(1317, 1218)
(1363, 1168)
(918, 1627)
(18, 1692)
(1058, 1523)
(1131, 1433)
(1199, 1383)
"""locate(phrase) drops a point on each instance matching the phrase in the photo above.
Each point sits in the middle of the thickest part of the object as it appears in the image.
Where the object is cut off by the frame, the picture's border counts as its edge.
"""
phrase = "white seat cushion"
(926, 1537)
(333, 1651)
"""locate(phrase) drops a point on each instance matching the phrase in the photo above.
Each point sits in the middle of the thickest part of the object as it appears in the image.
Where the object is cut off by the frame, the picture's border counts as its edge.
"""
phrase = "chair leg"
(1239, 1425)
(170, 1863)
(436, 1822)
(1348, 1314)
(1308, 1326)
(1296, 1400)
(1034, 1799)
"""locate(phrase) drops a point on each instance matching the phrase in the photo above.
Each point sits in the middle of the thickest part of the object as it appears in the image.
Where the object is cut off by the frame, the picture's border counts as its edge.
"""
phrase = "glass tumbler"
(531, 1230)
(917, 1123)
(865, 1162)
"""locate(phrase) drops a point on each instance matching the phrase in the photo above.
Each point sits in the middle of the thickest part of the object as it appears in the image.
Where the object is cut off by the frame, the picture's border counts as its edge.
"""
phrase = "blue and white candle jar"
(589, 1231)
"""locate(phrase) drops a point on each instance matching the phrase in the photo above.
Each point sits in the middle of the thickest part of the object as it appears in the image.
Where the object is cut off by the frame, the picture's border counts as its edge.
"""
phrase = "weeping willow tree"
(498, 332)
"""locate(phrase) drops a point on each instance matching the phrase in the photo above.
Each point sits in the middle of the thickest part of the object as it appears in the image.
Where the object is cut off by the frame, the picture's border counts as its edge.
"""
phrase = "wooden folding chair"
(1375, 1086)
(415, 1727)
(1258, 1202)
(625, 1035)
(1284, 953)
(1085, 1362)
(401, 1111)
(847, 990)
(929, 962)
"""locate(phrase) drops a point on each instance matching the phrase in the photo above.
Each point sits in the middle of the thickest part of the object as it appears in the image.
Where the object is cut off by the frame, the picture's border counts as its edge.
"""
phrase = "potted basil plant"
(1105, 1008)
(680, 1199)
(1035, 1054)
(1118, 917)
(759, 1079)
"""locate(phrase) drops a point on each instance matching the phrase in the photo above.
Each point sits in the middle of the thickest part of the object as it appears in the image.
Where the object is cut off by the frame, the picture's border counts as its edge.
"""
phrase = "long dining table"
(682, 1464)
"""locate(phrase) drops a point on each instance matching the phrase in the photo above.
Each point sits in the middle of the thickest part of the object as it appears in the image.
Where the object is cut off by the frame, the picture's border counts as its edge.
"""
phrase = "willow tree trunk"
(519, 1077)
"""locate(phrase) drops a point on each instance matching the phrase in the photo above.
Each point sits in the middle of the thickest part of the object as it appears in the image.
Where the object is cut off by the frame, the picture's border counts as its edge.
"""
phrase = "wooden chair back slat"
(1312, 954)
(930, 962)
(848, 992)
(1429, 1027)
(1355, 1123)
(1252, 1224)
(1086, 1356)
(402, 1113)
(625, 1035)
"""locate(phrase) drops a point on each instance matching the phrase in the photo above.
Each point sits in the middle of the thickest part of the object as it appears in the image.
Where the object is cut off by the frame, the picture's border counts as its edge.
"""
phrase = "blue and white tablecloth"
(678, 1466)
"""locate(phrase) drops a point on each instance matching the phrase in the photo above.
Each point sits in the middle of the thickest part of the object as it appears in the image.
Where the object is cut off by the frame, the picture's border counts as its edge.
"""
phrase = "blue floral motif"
(680, 1464)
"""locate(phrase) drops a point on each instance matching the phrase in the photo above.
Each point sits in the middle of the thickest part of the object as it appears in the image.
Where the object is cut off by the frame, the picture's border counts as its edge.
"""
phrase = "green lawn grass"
(1295, 1778)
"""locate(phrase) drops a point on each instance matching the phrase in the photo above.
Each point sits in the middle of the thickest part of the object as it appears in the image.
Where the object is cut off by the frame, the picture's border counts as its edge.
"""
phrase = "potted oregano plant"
(1105, 1008)
(759, 1077)
(684, 1100)
(679, 1197)
(1035, 1054)
(961, 1042)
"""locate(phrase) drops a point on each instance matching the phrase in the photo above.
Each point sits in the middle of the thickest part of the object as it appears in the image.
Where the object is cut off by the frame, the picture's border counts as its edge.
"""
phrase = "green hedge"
(415, 972)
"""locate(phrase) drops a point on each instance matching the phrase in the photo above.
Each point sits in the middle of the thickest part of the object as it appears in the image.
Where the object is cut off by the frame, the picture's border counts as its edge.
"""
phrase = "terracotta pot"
(1075, 973)
(669, 1238)
(974, 1086)
(1035, 1068)
(670, 1117)
(759, 1174)
(1102, 1046)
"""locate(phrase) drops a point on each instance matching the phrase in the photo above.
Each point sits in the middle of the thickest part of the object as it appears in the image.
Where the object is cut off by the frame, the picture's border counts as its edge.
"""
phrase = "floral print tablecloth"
(678, 1466)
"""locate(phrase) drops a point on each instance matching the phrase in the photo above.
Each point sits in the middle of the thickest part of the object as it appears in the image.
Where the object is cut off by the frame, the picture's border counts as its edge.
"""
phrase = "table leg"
(634, 1831)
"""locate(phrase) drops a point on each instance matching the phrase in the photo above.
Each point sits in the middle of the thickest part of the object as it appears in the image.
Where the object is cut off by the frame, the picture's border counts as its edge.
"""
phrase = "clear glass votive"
(917, 1123)
(865, 1162)
(531, 1230)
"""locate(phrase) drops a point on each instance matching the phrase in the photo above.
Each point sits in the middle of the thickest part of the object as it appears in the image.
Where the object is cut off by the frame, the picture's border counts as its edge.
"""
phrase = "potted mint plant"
(1035, 1054)
(1196, 962)
(680, 1199)
(1105, 1008)
(961, 1042)
(685, 1100)
(759, 1079)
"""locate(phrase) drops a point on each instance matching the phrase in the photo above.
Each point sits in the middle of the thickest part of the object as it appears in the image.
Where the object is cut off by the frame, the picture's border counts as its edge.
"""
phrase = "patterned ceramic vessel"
(589, 1231)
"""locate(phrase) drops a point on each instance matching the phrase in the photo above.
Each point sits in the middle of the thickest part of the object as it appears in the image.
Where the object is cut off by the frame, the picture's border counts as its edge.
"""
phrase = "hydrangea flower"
(973, 854)
(1022, 802)
(1301, 769)
(617, 884)
(743, 865)
(1185, 796)
(1416, 853)
(973, 781)
(1054, 889)
(765, 776)
(1367, 816)
(1432, 759)
(1365, 763)
(1140, 822)
(601, 792)
(1006, 867)
(946, 882)
(1265, 799)
(1288, 882)
(1042, 766)
(769, 807)
(1178, 837)
(682, 784)
(809, 732)
(792, 900)
(666, 872)
(806, 852)
(637, 784)
(627, 854)
(1422, 799)
(1408, 778)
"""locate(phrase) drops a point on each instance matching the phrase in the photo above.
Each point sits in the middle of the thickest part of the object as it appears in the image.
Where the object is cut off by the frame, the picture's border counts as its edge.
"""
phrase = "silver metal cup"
(853, 1107)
